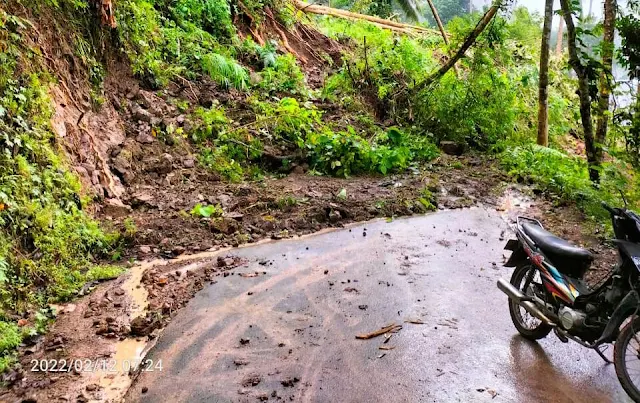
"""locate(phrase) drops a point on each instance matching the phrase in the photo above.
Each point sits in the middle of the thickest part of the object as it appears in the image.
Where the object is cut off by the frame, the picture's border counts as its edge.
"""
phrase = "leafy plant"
(207, 211)
(225, 71)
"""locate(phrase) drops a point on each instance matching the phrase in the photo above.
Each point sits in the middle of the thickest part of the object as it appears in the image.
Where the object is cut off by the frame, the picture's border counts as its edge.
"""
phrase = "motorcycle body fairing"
(557, 284)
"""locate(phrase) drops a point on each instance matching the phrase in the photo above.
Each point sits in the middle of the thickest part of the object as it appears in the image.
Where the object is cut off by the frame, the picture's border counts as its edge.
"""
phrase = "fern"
(268, 54)
(225, 71)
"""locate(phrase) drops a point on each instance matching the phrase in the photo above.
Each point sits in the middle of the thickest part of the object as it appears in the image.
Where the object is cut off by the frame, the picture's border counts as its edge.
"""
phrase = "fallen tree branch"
(471, 39)
(392, 327)
(380, 22)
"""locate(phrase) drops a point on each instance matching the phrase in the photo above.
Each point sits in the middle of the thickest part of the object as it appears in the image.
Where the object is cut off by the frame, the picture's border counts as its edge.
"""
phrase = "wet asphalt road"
(301, 324)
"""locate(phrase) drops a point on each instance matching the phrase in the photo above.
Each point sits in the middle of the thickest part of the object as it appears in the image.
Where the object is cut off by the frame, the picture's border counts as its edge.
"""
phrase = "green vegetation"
(206, 211)
(48, 245)
(568, 177)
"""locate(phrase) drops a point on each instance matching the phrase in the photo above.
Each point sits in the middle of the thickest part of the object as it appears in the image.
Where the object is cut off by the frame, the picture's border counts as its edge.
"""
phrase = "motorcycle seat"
(555, 247)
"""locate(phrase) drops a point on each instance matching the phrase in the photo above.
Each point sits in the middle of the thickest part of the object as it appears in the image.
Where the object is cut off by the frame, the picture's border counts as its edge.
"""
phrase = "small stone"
(145, 249)
(188, 163)
(145, 138)
(92, 387)
(334, 216)
(179, 250)
(290, 382)
(141, 114)
(115, 208)
(145, 389)
(452, 148)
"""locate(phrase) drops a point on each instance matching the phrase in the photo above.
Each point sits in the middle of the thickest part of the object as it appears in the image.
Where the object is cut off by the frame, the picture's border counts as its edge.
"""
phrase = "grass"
(567, 176)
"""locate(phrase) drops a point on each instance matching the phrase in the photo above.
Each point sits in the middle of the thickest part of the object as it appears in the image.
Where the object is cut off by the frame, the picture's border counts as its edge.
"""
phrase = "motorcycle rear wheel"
(626, 351)
(527, 325)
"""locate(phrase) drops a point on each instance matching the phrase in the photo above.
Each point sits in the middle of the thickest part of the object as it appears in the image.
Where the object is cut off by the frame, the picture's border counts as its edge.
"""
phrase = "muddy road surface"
(286, 329)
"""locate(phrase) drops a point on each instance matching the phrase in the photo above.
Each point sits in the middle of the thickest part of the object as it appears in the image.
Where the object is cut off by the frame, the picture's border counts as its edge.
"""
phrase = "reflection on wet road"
(290, 334)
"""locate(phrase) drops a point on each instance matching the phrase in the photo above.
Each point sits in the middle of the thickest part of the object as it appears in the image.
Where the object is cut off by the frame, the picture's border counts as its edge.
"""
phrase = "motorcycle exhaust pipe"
(517, 296)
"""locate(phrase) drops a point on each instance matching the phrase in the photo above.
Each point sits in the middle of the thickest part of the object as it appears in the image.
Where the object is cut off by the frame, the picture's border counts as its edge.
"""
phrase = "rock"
(224, 200)
(235, 215)
(145, 249)
(163, 165)
(290, 382)
(155, 121)
(179, 250)
(452, 148)
(244, 190)
(102, 329)
(224, 225)
(95, 177)
(188, 163)
(122, 162)
(115, 208)
(133, 93)
(334, 216)
(145, 389)
(22, 322)
(255, 78)
(145, 138)
(145, 325)
(140, 114)
(141, 198)
(92, 387)
(251, 380)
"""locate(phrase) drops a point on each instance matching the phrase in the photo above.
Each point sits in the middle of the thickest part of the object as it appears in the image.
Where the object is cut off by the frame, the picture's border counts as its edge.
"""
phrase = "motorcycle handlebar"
(608, 208)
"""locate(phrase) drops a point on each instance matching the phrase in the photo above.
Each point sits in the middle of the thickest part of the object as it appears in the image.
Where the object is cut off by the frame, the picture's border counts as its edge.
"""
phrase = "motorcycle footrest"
(561, 336)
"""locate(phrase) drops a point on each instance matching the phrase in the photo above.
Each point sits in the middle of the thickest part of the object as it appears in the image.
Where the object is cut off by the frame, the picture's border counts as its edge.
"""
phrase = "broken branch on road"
(391, 328)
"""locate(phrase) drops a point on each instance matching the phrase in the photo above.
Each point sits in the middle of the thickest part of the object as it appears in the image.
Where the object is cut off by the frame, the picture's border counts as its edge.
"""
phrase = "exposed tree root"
(283, 37)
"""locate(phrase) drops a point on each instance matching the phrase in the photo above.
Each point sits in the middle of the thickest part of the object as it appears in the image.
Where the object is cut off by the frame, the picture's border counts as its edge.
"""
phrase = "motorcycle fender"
(518, 256)
(625, 308)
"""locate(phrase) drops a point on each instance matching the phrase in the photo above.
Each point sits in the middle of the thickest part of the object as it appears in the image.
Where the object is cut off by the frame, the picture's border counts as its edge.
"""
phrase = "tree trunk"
(559, 39)
(471, 39)
(605, 76)
(436, 17)
(543, 81)
(583, 92)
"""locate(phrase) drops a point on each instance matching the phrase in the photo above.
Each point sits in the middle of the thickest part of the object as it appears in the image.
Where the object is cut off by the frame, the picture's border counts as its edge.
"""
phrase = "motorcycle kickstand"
(597, 349)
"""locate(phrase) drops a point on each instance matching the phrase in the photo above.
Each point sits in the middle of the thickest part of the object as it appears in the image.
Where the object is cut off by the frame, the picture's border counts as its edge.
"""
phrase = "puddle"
(115, 380)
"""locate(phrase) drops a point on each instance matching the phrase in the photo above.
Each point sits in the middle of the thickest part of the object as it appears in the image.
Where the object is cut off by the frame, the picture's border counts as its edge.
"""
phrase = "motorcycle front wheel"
(626, 358)
(524, 278)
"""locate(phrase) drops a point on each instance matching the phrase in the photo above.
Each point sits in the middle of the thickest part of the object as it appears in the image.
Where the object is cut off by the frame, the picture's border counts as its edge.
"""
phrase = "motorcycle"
(547, 292)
